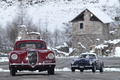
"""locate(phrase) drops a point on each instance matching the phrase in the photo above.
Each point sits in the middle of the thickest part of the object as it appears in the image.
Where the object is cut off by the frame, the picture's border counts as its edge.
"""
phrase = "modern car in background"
(87, 61)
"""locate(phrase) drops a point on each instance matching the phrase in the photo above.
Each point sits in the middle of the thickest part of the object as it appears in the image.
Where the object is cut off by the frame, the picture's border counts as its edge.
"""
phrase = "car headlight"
(72, 62)
(14, 56)
(51, 56)
(90, 62)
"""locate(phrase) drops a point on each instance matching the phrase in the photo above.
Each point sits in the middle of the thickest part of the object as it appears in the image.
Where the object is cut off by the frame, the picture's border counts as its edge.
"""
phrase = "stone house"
(90, 27)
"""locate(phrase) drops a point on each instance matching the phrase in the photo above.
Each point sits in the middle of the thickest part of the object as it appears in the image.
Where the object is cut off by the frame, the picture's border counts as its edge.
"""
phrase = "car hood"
(24, 51)
(84, 60)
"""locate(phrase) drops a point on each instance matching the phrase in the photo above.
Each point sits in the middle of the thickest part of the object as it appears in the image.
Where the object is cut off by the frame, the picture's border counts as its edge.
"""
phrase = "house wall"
(91, 31)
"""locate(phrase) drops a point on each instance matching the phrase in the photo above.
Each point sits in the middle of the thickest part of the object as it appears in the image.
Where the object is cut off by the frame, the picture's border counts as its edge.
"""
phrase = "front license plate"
(81, 66)
(74, 65)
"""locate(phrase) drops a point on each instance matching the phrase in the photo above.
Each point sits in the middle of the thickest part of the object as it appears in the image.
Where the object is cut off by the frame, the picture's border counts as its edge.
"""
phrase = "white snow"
(82, 45)
(115, 41)
(105, 69)
(63, 45)
(117, 52)
(68, 69)
(3, 70)
(101, 46)
(55, 13)
(112, 69)
(4, 59)
(100, 15)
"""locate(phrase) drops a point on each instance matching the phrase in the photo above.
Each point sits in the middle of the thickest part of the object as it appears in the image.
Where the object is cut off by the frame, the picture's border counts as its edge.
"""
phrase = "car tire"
(73, 69)
(81, 70)
(12, 72)
(101, 68)
(51, 71)
(94, 68)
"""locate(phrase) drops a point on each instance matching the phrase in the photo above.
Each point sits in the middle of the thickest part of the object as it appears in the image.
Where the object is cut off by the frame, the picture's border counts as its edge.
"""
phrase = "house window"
(81, 25)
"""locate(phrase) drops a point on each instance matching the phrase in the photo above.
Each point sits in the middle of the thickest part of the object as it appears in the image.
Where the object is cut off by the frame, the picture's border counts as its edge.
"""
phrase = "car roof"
(17, 42)
(88, 53)
(29, 40)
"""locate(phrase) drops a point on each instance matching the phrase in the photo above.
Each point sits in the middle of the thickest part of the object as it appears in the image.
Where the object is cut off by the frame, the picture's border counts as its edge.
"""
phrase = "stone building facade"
(90, 28)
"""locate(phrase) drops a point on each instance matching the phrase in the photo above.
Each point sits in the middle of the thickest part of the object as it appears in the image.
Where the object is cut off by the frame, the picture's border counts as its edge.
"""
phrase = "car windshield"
(89, 56)
(24, 45)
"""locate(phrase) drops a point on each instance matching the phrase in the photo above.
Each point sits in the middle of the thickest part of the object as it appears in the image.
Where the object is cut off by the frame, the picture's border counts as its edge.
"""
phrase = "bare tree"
(68, 33)
(56, 35)
(12, 31)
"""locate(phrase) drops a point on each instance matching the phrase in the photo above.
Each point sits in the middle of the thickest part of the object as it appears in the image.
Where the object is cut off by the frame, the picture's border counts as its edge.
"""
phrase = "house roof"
(104, 18)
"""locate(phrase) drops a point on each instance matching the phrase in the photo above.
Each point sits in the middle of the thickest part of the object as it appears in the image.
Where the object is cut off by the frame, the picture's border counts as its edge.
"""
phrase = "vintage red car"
(31, 55)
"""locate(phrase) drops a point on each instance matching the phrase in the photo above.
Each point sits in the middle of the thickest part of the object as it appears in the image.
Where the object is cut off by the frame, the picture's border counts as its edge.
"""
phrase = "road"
(66, 75)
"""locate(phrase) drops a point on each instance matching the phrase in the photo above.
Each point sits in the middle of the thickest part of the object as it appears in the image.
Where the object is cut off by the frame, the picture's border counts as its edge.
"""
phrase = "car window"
(24, 45)
(90, 56)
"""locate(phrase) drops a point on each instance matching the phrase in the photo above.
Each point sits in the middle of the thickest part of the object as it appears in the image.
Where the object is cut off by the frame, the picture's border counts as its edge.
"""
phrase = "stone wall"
(89, 27)
(88, 34)
(91, 31)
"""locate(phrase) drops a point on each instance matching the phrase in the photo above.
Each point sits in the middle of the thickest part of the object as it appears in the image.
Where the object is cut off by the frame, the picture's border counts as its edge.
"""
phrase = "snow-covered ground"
(4, 59)
(117, 52)
(67, 69)
(105, 69)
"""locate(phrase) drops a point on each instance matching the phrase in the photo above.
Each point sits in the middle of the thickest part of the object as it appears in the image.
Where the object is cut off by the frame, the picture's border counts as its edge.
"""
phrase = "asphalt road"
(66, 75)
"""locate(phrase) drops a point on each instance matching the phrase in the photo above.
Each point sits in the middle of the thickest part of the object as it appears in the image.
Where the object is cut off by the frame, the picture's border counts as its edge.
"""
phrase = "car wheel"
(51, 71)
(81, 70)
(73, 69)
(94, 68)
(101, 68)
(12, 72)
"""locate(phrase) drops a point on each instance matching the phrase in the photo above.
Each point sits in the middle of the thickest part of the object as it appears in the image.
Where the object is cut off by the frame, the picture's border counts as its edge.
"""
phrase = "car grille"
(83, 64)
(32, 57)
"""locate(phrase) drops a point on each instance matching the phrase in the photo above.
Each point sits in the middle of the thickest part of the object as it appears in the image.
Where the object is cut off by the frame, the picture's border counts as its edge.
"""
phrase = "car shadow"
(29, 74)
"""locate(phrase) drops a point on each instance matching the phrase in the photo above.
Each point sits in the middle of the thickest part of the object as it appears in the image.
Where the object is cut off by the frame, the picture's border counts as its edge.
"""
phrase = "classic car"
(87, 61)
(31, 55)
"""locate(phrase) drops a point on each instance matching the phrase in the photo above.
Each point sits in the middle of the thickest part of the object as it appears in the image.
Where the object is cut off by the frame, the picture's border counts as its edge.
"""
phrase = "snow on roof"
(115, 41)
(63, 45)
(100, 15)
(88, 53)
(104, 18)
(101, 46)
(82, 45)
(37, 33)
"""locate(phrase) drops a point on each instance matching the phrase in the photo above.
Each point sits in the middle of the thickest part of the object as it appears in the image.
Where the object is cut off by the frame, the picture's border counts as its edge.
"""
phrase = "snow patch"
(2, 70)
(117, 52)
(67, 69)
(4, 59)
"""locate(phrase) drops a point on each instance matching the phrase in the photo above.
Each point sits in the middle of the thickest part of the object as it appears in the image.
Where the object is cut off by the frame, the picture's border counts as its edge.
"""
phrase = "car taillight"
(14, 56)
(51, 56)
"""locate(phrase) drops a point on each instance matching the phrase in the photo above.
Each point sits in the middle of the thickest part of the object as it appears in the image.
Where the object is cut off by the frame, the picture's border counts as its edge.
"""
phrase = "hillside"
(52, 12)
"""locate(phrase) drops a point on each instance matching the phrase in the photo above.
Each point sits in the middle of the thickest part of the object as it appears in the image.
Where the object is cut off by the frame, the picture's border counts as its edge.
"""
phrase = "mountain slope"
(52, 13)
